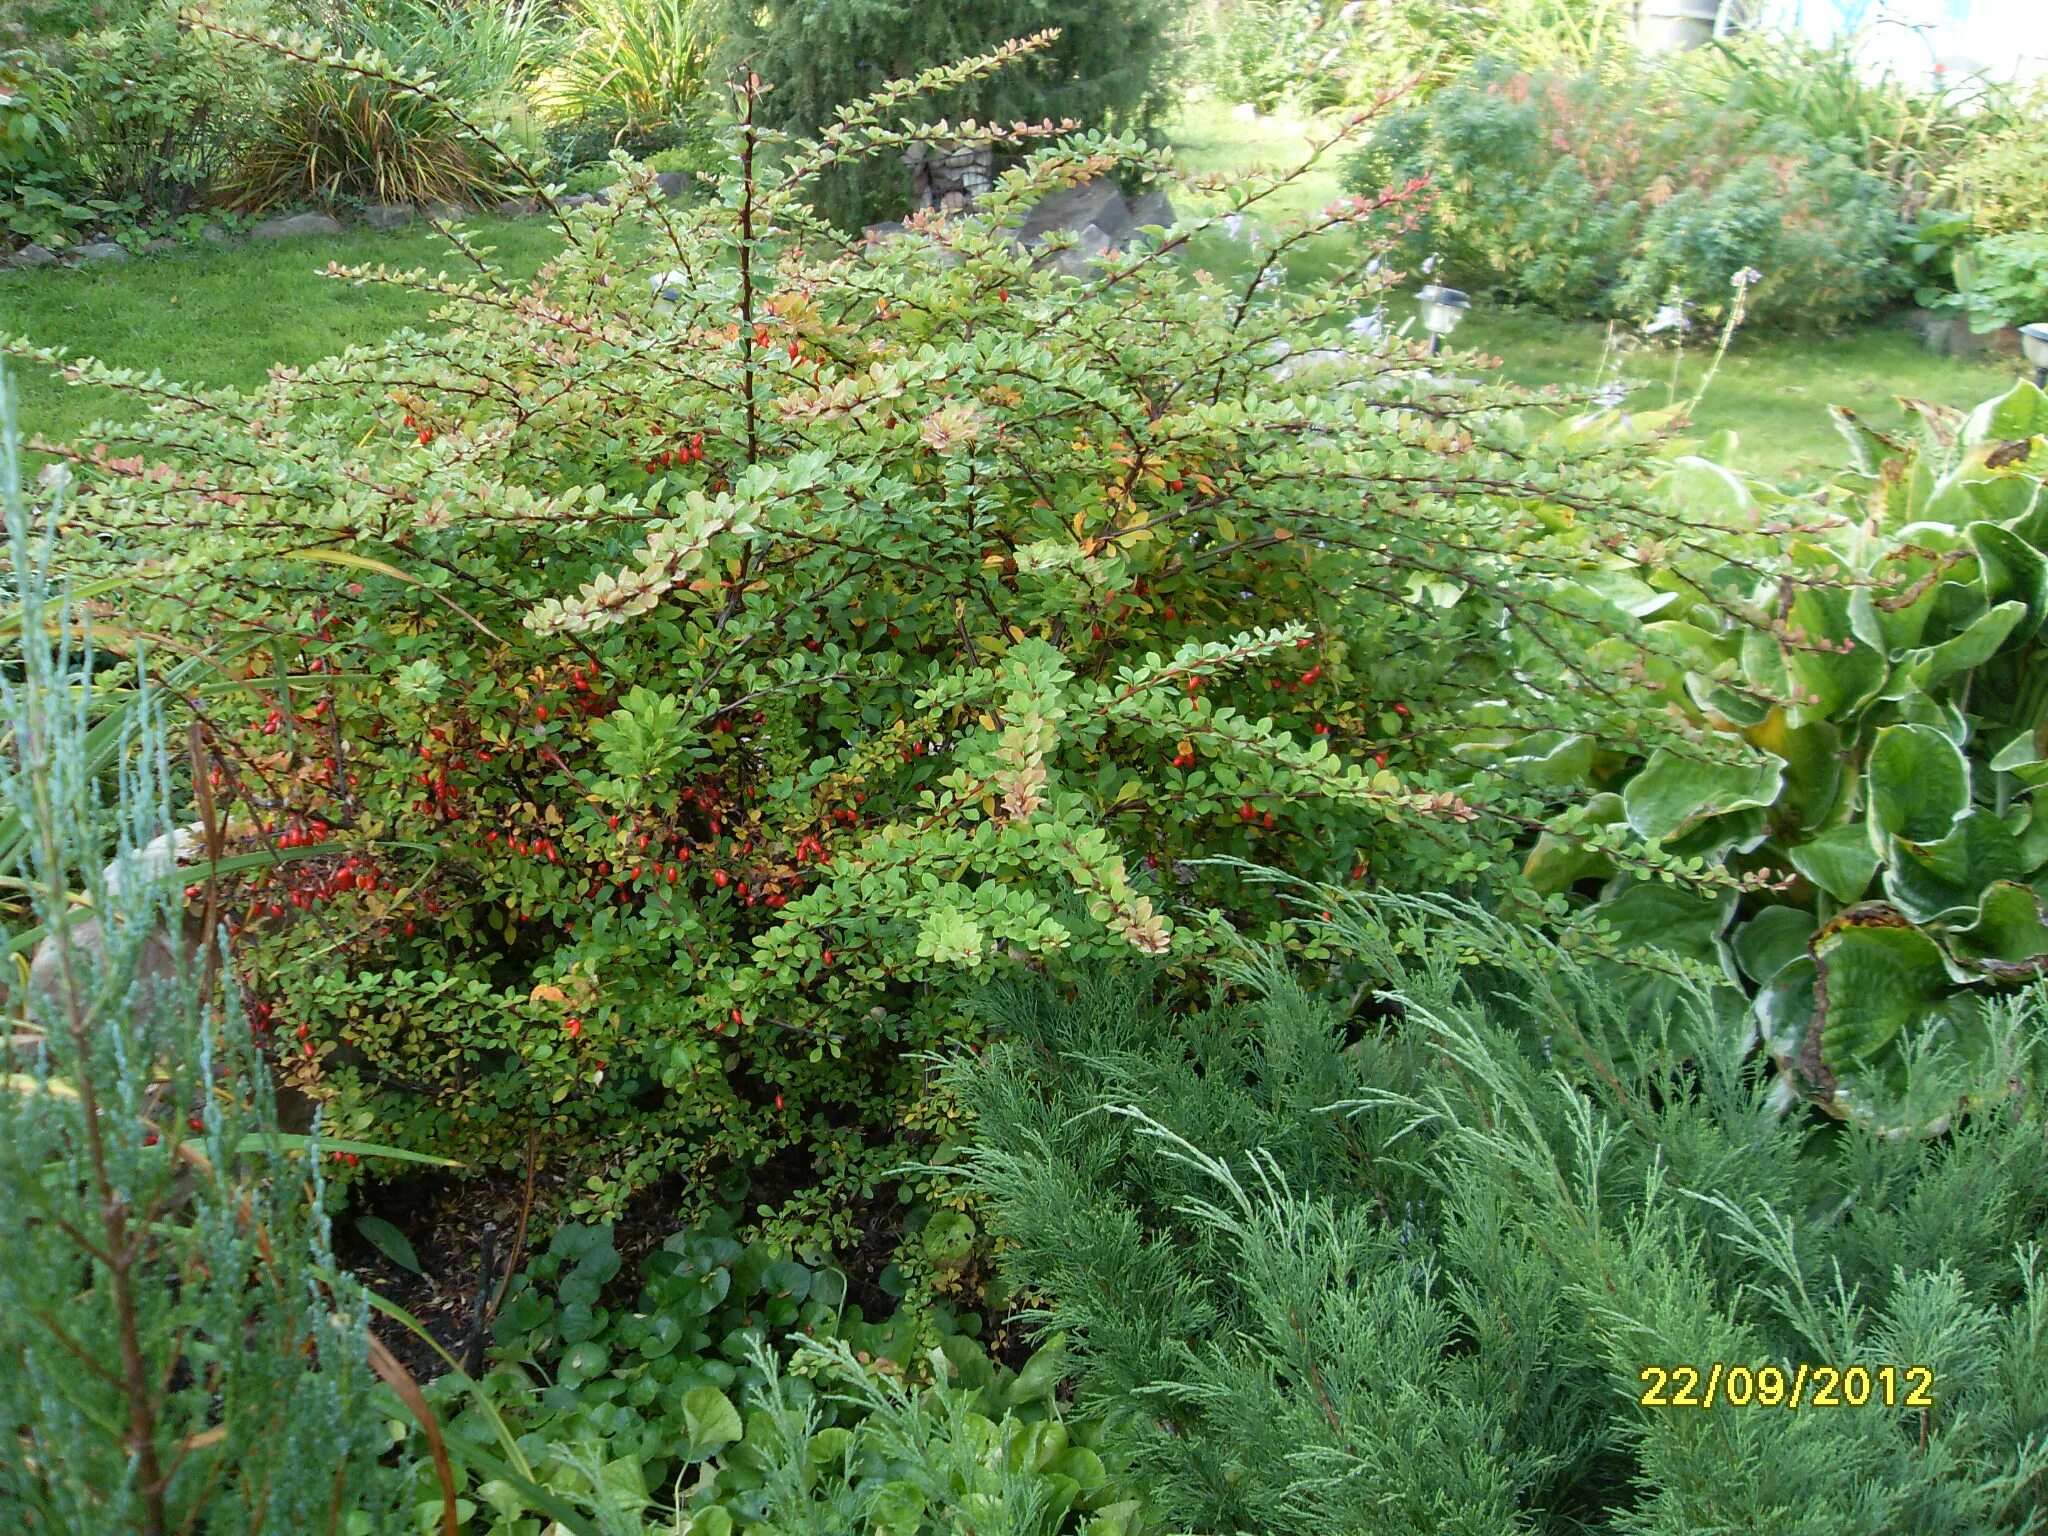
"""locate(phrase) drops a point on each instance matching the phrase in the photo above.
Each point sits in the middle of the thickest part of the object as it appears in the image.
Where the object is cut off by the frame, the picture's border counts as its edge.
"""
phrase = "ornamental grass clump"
(685, 674)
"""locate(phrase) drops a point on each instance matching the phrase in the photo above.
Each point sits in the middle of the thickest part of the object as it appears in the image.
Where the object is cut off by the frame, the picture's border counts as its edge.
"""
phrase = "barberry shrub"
(689, 671)
(177, 1350)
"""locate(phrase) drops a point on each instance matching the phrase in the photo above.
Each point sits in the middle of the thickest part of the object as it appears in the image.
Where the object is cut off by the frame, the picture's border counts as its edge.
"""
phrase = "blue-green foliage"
(177, 1351)
(1397, 1262)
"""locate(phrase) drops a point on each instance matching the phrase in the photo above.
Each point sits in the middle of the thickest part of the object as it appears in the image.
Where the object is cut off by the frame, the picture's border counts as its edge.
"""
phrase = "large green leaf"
(2021, 411)
(1934, 880)
(1559, 860)
(1875, 974)
(2009, 939)
(710, 1420)
(1813, 774)
(1980, 640)
(1674, 792)
(2014, 571)
(1919, 783)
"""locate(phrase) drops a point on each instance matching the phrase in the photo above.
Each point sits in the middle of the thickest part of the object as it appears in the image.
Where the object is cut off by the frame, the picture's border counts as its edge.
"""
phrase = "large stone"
(33, 255)
(97, 251)
(577, 200)
(162, 245)
(1152, 208)
(673, 185)
(518, 207)
(389, 215)
(444, 213)
(216, 234)
(293, 225)
(1099, 202)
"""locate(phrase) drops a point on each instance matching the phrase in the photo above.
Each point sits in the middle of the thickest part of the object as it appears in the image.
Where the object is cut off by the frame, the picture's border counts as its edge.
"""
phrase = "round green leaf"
(710, 1420)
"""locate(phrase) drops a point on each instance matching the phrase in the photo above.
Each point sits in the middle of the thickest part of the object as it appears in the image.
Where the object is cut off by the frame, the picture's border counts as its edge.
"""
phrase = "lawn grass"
(221, 317)
(225, 316)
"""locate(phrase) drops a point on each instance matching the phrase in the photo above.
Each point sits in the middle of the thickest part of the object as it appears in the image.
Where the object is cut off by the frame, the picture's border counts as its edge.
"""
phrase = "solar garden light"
(1442, 309)
(668, 286)
(2034, 342)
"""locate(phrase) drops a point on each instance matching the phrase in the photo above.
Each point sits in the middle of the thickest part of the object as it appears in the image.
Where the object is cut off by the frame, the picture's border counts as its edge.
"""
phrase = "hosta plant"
(1889, 686)
(689, 671)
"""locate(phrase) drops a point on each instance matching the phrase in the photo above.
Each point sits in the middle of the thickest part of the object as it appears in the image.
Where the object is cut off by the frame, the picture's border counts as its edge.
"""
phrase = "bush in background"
(1115, 65)
(1586, 195)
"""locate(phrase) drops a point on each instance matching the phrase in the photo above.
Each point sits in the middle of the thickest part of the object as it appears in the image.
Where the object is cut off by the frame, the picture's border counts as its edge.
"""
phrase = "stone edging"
(291, 226)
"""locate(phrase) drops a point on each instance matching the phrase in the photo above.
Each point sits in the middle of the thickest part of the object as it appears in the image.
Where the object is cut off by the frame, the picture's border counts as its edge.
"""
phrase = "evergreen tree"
(177, 1350)
(1407, 1275)
(1113, 67)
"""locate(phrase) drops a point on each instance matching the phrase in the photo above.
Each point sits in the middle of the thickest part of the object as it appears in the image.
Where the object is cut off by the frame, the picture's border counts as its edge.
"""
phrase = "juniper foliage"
(1403, 1270)
(177, 1352)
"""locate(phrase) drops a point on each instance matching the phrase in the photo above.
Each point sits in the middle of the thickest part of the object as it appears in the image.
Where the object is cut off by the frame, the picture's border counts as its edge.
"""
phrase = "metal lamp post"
(1441, 310)
(2034, 342)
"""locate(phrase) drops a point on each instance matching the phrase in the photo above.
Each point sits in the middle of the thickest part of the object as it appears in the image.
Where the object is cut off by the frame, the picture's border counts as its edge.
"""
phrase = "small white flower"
(1429, 266)
(1612, 396)
(1747, 276)
(1233, 225)
(1371, 327)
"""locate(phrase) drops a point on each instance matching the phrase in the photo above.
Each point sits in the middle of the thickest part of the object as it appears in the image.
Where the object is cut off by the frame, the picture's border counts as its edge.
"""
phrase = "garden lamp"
(1442, 308)
(2034, 342)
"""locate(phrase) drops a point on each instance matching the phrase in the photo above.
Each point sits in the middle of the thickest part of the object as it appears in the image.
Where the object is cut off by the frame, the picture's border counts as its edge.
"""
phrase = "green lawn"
(225, 316)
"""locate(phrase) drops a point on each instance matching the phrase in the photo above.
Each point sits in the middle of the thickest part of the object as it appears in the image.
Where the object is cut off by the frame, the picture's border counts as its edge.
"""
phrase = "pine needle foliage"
(177, 1351)
(1113, 66)
(1405, 1274)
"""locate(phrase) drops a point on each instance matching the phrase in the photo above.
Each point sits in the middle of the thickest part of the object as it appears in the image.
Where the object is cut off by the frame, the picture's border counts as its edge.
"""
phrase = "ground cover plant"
(709, 680)
(1442, 1234)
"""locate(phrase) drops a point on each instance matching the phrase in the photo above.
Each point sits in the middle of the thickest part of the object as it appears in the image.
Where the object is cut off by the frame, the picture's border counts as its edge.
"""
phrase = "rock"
(33, 255)
(1152, 208)
(162, 245)
(444, 213)
(949, 178)
(216, 234)
(518, 207)
(97, 251)
(293, 225)
(577, 200)
(389, 215)
(1098, 202)
(891, 229)
(673, 185)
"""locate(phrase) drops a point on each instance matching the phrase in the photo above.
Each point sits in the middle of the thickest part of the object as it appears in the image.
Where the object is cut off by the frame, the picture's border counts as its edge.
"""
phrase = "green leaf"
(389, 1241)
(1840, 861)
(1918, 783)
(1876, 974)
(1673, 793)
(710, 1420)
(1930, 881)
(2009, 940)
(1771, 940)
(1979, 641)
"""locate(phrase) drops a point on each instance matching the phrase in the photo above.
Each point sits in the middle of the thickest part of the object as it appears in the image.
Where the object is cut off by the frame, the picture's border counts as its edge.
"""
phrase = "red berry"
(720, 878)
(1245, 811)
